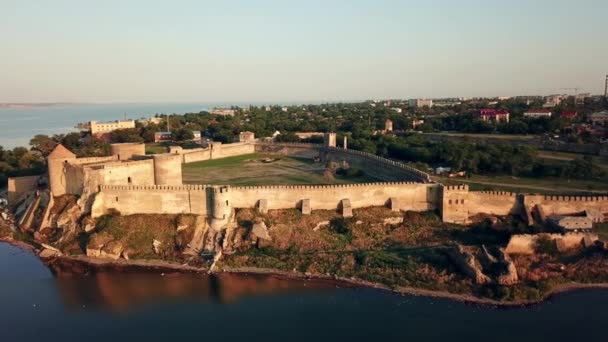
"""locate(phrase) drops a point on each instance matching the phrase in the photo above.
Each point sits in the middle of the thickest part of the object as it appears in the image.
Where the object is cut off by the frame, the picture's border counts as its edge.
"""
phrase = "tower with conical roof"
(56, 162)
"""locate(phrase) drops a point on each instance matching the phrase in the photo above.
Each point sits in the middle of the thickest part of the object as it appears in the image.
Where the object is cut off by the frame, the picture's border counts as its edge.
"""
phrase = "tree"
(125, 136)
(43, 144)
(182, 134)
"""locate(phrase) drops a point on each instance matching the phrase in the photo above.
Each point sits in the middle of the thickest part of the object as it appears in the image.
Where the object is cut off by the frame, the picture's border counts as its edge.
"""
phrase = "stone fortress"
(131, 182)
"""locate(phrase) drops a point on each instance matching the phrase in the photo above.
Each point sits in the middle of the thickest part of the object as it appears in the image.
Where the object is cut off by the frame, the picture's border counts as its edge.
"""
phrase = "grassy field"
(251, 170)
(155, 148)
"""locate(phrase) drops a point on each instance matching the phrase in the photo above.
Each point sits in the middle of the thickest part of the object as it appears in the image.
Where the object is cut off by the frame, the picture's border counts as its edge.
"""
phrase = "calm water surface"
(35, 305)
(19, 125)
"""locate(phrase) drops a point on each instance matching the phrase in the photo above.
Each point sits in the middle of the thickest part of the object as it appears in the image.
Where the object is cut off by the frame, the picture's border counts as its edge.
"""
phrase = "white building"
(419, 103)
(223, 111)
(107, 127)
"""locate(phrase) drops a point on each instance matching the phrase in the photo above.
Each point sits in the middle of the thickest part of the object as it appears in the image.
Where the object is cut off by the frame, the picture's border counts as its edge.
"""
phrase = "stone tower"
(388, 125)
(454, 204)
(167, 169)
(56, 162)
(221, 207)
(329, 139)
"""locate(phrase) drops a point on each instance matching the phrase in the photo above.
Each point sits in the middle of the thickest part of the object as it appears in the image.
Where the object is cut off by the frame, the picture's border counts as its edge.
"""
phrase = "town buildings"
(538, 113)
(149, 121)
(223, 111)
(388, 125)
(600, 118)
(569, 114)
(97, 128)
(553, 100)
(246, 136)
(419, 103)
(494, 115)
(162, 136)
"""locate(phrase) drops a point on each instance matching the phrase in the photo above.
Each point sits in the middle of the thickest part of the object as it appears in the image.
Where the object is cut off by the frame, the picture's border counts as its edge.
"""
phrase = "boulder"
(510, 276)
(88, 224)
(69, 216)
(96, 243)
(321, 225)
(112, 250)
(393, 220)
(468, 265)
(48, 253)
(157, 245)
(260, 231)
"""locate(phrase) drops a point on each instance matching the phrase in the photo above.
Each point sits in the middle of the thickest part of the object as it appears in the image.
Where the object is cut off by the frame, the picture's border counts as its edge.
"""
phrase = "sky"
(298, 51)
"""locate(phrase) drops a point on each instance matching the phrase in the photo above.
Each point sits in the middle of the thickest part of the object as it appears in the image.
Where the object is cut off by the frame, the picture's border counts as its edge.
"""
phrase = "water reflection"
(122, 292)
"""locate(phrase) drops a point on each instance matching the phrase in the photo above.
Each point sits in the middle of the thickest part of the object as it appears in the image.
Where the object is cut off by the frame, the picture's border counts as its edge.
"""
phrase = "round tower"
(221, 210)
(125, 151)
(56, 163)
(167, 169)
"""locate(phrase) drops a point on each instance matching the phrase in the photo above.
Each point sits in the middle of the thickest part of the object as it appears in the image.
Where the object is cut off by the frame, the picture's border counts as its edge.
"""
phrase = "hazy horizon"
(314, 51)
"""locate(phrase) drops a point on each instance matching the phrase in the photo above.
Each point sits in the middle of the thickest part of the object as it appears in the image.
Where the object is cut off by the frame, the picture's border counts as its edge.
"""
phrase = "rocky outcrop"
(260, 231)
(112, 250)
(96, 244)
(509, 276)
(491, 265)
(468, 265)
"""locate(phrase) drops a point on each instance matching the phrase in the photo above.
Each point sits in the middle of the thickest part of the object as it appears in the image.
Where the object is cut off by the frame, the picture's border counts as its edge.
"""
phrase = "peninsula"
(372, 220)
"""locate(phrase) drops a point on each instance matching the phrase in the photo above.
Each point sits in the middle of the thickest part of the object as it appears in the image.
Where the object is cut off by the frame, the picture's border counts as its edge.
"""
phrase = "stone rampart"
(566, 205)
(18, 187)
(411, 196)
(459, 204)
(196, 199)
(93, 160)
(151, 199)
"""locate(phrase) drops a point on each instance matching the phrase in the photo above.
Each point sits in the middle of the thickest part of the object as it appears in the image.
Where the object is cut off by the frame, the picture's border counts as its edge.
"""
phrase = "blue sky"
(285, 51)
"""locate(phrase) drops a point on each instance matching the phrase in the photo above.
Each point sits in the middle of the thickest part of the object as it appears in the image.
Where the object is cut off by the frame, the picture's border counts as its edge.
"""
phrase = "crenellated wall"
(459, 204)
(18, 187)
(412, 196)
(203, 200)
(129, 200)
(565, 205)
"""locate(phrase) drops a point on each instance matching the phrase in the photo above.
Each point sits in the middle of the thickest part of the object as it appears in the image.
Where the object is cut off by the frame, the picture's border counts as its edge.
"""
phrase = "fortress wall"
(93, 160)
(454, 204)
(18, 187)
(231, 150)
(125, 151)
(459, 204)
(309, 151)
(564, 205)
(411, 196)
(130, 200)
(492, 202)
(196, 156)
(378, 167)
(73, 178)
(139, 172)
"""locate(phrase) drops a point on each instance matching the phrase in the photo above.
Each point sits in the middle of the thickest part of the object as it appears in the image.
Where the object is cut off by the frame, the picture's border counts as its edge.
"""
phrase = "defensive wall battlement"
(152, 185)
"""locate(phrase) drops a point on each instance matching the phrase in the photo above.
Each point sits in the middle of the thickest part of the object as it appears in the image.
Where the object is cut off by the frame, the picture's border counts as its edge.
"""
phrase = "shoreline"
(162, 265)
